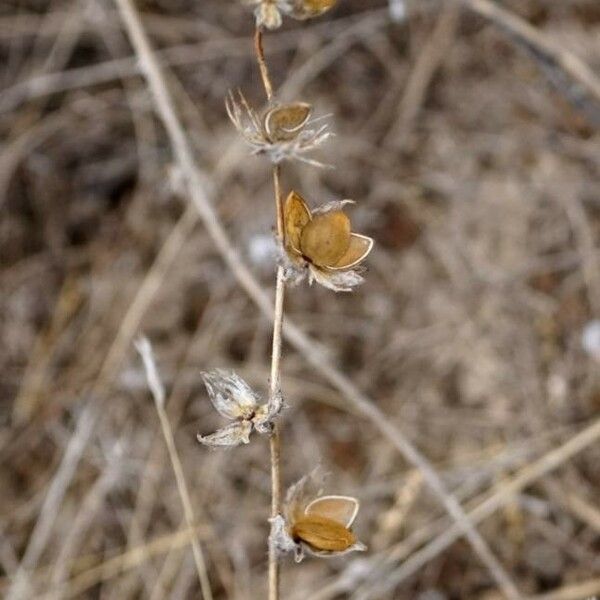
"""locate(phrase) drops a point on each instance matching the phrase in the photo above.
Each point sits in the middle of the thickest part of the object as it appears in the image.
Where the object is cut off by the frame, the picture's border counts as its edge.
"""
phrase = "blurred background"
(474, 160)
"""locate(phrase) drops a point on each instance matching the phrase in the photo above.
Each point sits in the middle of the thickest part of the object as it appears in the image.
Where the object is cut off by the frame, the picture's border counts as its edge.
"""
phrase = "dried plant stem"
(262, 63)
(197, 187)
(158, 393)
(275, 440)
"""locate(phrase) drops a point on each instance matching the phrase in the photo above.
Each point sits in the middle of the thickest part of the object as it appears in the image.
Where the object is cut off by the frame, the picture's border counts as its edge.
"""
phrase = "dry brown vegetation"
(474, 158)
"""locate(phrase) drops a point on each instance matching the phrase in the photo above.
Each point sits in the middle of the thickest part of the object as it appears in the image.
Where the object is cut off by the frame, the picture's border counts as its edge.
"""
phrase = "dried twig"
(426, 66)
(85, 516)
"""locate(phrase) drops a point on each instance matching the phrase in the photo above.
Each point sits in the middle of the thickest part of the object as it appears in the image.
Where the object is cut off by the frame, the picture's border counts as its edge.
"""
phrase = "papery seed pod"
(232, 435)
(231, 396)
(284, 122)
(323, 241)
(326, 238)
(323, 526)
(307, 9)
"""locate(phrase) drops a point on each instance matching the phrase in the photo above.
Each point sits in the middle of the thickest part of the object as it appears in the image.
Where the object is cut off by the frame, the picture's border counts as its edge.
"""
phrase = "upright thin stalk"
(275, 440)
(158, 393)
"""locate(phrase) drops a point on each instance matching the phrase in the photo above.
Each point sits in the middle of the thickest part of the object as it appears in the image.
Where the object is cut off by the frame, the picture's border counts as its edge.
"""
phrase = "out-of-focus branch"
(503, 495)
(548, 51)
(40, 536)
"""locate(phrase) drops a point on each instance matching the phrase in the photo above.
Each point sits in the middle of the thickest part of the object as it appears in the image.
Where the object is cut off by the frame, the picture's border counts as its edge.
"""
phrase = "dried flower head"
(235, 400)
(320, 243)
(268, 12)
(320, 526)
(281, 133)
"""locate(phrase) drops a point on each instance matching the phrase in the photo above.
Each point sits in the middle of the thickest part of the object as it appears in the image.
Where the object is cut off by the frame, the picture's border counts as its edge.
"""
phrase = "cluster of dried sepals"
(283, 132)
(268, 12)
(318, 244)
(235, 400)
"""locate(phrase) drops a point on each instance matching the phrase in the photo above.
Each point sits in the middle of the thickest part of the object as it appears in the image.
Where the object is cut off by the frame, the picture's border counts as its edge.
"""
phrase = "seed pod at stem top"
(268, 12)
(308, 9)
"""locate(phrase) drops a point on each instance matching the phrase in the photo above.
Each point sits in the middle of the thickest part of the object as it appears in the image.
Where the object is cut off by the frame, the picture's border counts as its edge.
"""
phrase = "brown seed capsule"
(322, 533)
(325, 239)
(285, 122)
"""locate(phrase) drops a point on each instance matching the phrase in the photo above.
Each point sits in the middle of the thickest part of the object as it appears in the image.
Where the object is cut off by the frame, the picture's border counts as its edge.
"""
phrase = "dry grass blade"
(158, 393)
(121, 563)
(504, 495)
(40, 536)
